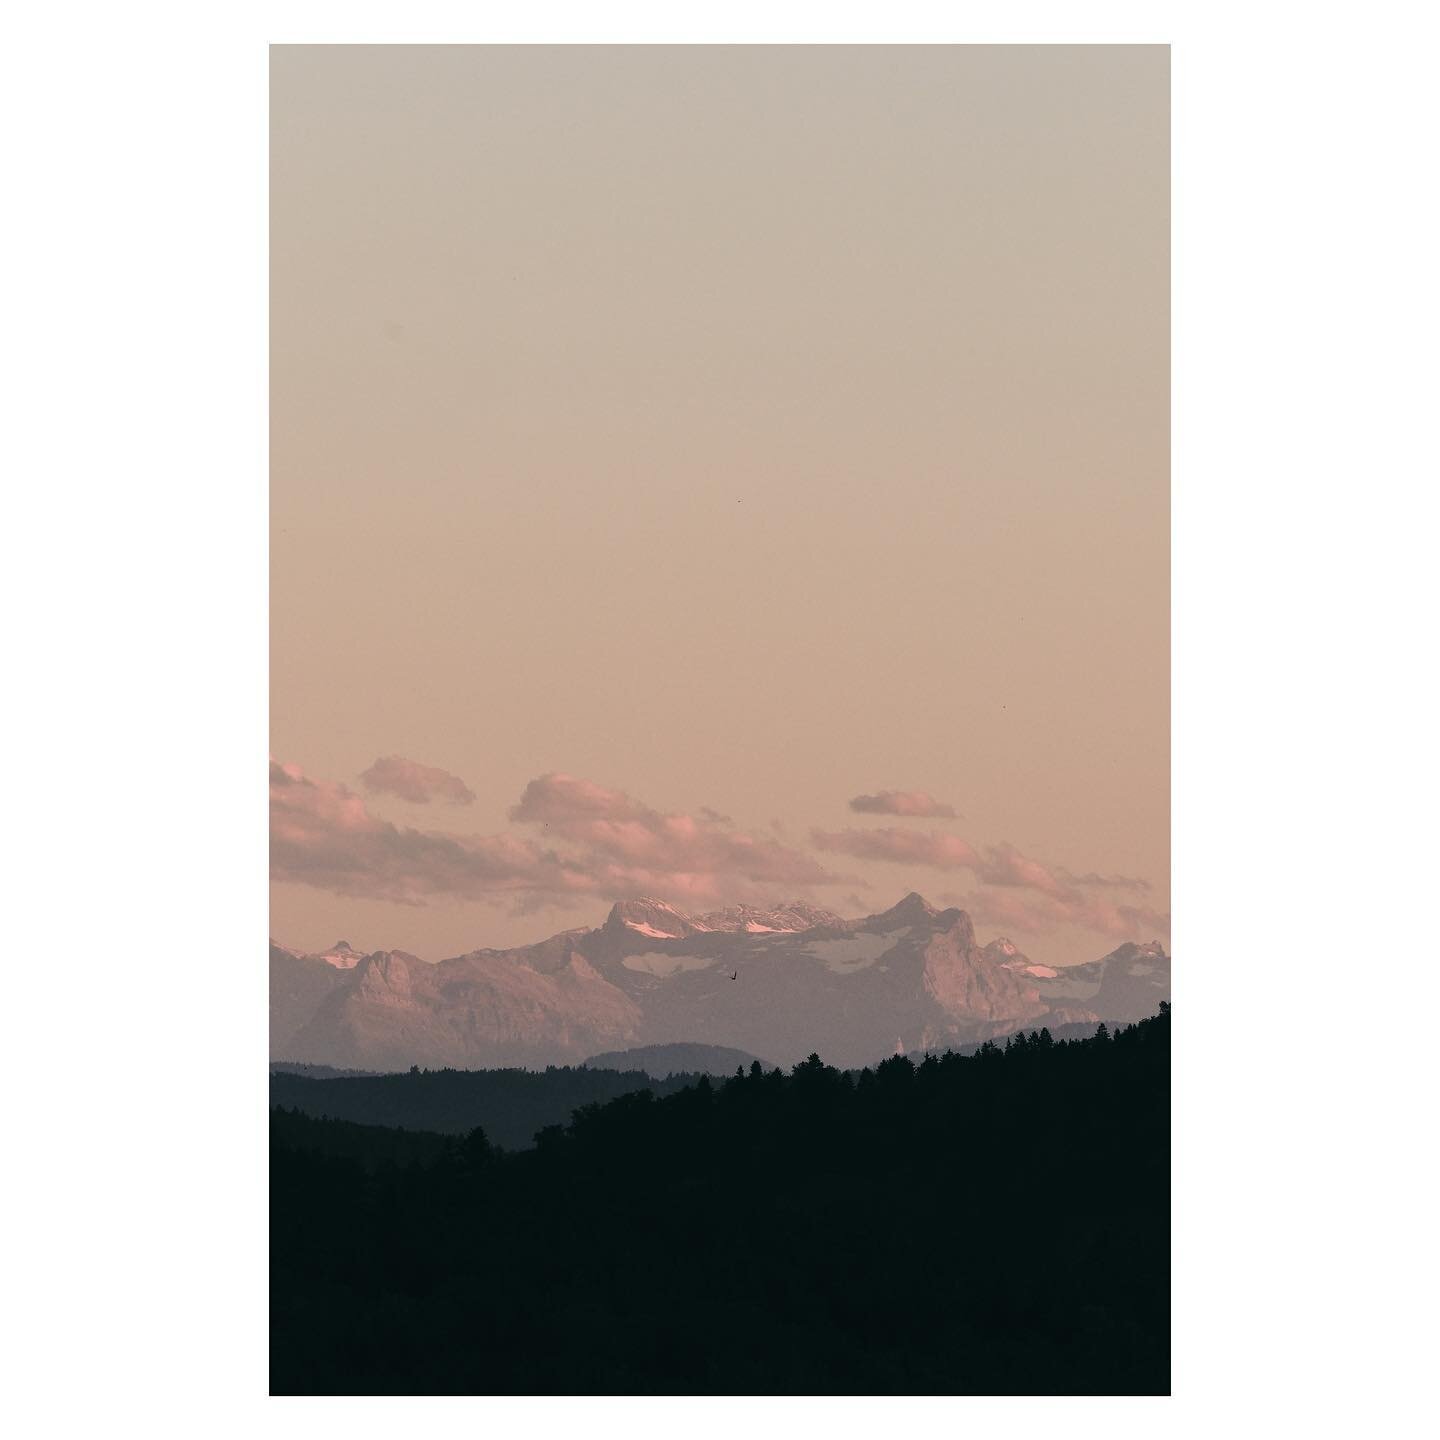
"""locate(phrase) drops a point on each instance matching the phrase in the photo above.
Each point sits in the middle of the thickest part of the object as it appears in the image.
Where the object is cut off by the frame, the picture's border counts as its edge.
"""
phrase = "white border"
(134, 578)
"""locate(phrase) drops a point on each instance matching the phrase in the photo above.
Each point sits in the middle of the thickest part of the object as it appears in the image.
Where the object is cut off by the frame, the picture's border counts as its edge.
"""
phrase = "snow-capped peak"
(341, 955)
(653, 918)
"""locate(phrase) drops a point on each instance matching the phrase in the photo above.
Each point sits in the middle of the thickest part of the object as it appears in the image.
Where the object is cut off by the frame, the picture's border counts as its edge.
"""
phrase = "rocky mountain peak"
(1154, 950)
(959, 924)
(914, 909)
(649, 917)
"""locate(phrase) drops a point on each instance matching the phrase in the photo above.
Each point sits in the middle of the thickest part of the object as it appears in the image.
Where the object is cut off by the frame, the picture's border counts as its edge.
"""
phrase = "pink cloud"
(1054, 897)
(1111, 882)
(1005, 865)
(1031, 914)
(695, 850)
(912, 803)
(596, 842)
(563, 799)
(322, 834)
(900, 847)
(419, 784)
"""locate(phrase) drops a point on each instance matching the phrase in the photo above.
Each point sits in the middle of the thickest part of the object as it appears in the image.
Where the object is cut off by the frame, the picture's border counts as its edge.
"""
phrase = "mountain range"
(781, 983)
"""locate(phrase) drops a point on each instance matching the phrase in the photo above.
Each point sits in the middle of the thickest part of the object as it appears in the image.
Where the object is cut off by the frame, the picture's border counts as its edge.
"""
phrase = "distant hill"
(685, 1058)
(509, 1105)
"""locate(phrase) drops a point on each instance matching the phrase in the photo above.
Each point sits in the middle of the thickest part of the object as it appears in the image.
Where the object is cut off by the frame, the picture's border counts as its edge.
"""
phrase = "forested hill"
(995, 1224)
(373, 1146)
(509, 1105)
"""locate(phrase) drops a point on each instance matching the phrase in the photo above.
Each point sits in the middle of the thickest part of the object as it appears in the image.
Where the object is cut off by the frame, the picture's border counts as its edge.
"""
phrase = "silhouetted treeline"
(509, 1105)
(318, 1072)
(995, 1223)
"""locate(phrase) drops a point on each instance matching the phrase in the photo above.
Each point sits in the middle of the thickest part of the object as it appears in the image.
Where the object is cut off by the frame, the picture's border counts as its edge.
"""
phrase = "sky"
(728, 474)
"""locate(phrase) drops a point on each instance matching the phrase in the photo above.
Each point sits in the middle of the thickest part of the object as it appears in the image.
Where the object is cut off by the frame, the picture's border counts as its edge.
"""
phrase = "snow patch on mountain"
(852, 953)
(658, 963)
(340, 956)
(789, 919)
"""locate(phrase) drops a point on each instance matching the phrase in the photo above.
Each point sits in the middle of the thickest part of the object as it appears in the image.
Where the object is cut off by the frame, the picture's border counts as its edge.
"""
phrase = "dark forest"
(995, 1223)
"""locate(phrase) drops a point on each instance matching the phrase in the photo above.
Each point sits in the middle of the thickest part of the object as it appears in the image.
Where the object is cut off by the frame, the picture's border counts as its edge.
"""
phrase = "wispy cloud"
(575, 838)
(1111, 882)
(1052, 895)
(1036, 914)
(322, 834)
(900, 847)
(689, 854)
(419, 784)
(592, 841)
(914, 804)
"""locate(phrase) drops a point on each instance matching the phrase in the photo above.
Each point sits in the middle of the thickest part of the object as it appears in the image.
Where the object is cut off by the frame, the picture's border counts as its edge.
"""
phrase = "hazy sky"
(740, 432)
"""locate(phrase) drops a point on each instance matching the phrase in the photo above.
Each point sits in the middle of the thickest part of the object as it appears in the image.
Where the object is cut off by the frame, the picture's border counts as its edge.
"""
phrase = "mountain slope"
(487, 1008)
(299, 985)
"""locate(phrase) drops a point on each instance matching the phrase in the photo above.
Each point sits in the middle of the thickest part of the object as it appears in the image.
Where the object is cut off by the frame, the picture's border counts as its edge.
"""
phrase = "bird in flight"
(734, 974)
